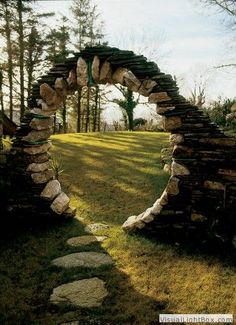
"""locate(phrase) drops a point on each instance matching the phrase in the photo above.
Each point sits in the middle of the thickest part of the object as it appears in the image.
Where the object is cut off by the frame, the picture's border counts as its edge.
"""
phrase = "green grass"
(110, 177)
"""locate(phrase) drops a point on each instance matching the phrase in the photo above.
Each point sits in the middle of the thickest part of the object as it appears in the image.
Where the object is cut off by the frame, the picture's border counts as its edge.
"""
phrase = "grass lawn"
(110, 176)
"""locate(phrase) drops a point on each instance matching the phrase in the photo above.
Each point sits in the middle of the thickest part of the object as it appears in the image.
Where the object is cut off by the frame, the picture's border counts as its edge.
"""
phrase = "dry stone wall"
(202, 187)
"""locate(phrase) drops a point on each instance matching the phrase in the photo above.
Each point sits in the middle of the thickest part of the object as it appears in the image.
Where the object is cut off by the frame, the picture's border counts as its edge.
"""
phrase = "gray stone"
(118, 75)
(85, 240)
(171, 123)
(146, 87)
(177, 169)
(131, 81)
(36, 168)
(51, 190)
(96, 227)
(42, 177)
(82, 293)
(60, 204)
(41, 124)
(172, 187)
(176, 138)
(49, 95)
(106, 73)
(163, 110)
(82, 72)
(34, 135)
(83, 259)
(35, 150)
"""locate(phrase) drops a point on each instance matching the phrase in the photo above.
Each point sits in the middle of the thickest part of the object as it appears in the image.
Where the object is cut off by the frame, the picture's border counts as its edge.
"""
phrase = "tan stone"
(214, 185)
(176, 139)
(167, 168)
(39, 111)
(61, 87)
(41, 124)
(70, 212)
(42, 177)
(72, 80)
(131, 81)
(180, 150)
(94, 228)
(177, 169)
(60, 204)
(51, 190)
(158, 97)
(132, 223)
(172, 187)
(197, 217)
(156, 208)
(82, 72)
(34, 150)
(83, 259)
(163, 110)
(106, 73)
(34, 135)
(163, 200)
(118, 75)
(230, 117)
(86, 293)
(171, 123)
(49, 95)
(146, 87)
(95, 69)
(36, 168)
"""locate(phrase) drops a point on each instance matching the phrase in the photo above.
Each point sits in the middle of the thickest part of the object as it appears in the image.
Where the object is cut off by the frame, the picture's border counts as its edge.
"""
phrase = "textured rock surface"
(82, 72)
(83, 293)
(83, 259)
(41, 167)
(158, 97)
(60, 204)
(41, 124)
(85, 240)
(35, 150)
(51, 190)
(43, 177)
(34, 135)
(96, 227)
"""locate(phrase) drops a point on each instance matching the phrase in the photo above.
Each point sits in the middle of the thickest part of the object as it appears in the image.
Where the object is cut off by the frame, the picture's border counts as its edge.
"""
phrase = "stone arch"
(202, 172)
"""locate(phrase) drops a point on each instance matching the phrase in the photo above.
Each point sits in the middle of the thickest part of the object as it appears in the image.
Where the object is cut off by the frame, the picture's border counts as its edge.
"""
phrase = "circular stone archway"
(203, 175)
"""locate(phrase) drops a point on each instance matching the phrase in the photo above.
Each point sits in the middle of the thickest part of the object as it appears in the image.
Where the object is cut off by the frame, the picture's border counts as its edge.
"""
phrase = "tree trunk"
(95, 117)
(64, 118)
(99, 113)
(79, 110)
(21, 56)
(9, 60)
(87, 111)
(130, 112)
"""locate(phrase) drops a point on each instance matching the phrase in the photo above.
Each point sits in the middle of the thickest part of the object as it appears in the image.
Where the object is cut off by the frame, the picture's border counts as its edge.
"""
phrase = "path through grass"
(110, 176)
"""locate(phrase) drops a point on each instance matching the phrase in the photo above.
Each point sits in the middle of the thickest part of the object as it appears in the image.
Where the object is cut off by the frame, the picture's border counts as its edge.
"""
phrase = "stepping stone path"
(96, 227)
(85, 240)
(86, 292)
(83, 259)
(82, 293)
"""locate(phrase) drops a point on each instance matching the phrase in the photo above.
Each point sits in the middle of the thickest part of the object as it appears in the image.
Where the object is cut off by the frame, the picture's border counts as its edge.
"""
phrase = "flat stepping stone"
(96, 227)
(85, 240)
(82, 293)
(83, 259)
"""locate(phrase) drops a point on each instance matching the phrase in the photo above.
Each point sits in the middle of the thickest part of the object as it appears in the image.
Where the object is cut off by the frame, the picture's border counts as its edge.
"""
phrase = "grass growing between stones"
(110, 176)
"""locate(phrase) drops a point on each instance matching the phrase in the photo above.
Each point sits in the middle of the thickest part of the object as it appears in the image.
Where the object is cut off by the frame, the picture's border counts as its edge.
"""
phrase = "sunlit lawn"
(110, 177)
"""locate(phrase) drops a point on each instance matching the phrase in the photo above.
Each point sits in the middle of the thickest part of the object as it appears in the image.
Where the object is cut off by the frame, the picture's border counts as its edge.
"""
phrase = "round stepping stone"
(82, 293)
(83, 259)
(85, 240)
(96, 227)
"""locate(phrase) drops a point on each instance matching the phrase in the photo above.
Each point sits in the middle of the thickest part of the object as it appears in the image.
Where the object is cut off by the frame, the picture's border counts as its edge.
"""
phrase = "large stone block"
(132, 223)
(82, 72)
(95, 69)
(106, 73)
(60, 204)
(146, 87)
(51, 190)
(176, 139)
(118, 75)
(131, 81)
(41, 124)
(172, 187)
(41, 167)
(179, 170)
(49, 95)
(162, 110)
(42, 177)
(171, 123)
(61, 88)
(72, 80)
(36, 149)
(34, 136)
(158, 97)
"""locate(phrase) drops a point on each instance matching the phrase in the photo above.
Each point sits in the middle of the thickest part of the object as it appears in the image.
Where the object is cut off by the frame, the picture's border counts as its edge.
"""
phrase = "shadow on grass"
(28, 278)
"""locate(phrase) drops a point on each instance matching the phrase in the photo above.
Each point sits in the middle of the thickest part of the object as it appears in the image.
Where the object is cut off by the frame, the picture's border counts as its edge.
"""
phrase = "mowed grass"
(109, 177)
